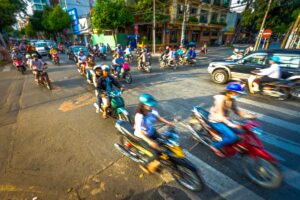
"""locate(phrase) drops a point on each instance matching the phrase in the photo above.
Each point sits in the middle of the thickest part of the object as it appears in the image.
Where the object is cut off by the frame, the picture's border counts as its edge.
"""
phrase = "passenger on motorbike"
(128, 52)
(119, 50)
(36, 65)
(104, 85)
(118, 64)
(143, 58)
(102, 49)
(269, 74)
(165, 53)
(52, 51)
(145, 118)
(90, 63)
(218, 117)
(28, 60)
(97, 73)
(81, 58)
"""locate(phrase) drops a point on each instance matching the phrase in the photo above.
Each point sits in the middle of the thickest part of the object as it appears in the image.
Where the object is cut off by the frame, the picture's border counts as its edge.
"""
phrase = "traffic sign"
(267, 34)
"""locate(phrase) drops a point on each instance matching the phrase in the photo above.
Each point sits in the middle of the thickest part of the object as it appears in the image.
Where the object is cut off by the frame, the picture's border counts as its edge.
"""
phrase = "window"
(289, 60)
(205, 33)
(223, 17)
(173, 36)
(217, 2)
(214, 33)
(214, 18)
(203, 16)
(195, 36)
(180, 9)
(226, 3)
(193, 11)
(257, 59)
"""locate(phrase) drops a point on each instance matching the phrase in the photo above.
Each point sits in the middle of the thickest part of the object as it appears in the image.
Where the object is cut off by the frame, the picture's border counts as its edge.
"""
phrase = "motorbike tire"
(295, 92)
(128, 77)
(148, 69)
(183, 168)
(274, 182)
(162, 64)
(23, 69)
(286, 94)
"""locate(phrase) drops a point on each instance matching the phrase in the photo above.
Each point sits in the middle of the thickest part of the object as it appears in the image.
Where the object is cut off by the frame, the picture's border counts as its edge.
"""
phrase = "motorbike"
(129, 57)
(117, 106)
(165, 63)
(124, 75)
(259, 165)
(61, 49)
(172, 156)
(281, 89)
(19, 64)
(43, 78)
(55, 58)
(102, 56)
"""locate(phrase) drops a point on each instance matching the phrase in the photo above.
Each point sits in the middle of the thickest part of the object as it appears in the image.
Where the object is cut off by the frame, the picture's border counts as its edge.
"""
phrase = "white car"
(42, 48)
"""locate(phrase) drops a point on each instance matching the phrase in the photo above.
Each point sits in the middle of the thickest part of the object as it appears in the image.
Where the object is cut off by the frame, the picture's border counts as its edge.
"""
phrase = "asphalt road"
(54, 146)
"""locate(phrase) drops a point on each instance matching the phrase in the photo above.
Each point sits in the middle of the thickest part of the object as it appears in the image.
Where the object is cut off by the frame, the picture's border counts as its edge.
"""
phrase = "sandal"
(217, 152)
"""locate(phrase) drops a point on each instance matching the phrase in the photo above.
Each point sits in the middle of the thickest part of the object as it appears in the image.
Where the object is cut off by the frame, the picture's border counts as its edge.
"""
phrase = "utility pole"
(153, 30)
(262, 27)
(184, 22)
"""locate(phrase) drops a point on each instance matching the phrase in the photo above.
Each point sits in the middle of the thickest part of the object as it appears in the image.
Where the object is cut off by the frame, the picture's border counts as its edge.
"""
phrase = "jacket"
(103, 82)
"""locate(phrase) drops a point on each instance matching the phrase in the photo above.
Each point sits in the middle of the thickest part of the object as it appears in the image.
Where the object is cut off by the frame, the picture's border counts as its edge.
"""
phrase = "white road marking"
(270, 107)
(275, 121)
(285, 144)
(291, 177)
(220, 183)
(6, 68)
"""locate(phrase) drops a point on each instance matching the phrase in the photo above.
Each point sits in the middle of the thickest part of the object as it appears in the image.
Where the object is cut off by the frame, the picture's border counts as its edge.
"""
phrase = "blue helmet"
(235, 87)
(275, 59)
(148, 100)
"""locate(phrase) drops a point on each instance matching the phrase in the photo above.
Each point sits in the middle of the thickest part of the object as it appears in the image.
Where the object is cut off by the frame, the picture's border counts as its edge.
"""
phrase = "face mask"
(236, 97)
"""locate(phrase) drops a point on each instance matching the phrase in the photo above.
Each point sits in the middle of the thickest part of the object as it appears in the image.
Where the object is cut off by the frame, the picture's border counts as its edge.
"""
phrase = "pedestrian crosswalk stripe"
(220, 183)
(281, 143)
(7, 68)
(291, 177)
(271, 107)
(275, 121)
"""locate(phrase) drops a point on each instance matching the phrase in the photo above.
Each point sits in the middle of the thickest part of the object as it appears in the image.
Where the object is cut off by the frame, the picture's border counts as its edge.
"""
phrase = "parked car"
(42, 48)
(72, 52)
(225, 70)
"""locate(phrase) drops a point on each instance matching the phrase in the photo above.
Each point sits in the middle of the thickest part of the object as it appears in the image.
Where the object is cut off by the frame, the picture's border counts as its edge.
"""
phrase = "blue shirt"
(119, 61)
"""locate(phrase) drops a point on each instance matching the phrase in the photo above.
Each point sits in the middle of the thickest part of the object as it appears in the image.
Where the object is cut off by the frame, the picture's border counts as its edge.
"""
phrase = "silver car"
(42, 48)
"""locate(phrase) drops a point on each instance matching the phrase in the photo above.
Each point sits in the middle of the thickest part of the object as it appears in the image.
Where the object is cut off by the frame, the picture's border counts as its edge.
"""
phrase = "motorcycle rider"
(119, 50)
(97, 73)
(118, 64)
(128, 52)
(165, 53)
(81, 58)
(218, 117)
(143, 58)
(104, 85)
(52, 52)
(145, 118)
(90, 63)
(36, 65)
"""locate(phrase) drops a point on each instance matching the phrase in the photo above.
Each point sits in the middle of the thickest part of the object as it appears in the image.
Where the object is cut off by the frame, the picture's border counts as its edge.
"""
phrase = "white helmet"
(236, 50)
(28, 56)
(97, 67)
(105, 68)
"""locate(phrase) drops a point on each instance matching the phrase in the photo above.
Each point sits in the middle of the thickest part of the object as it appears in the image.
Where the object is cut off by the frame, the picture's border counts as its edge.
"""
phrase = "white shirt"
(273, 71)
(139, 125)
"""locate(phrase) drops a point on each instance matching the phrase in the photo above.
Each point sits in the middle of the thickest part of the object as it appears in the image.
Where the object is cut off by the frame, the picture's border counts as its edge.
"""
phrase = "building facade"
(205, 20)
(82, 6)
(39, 4)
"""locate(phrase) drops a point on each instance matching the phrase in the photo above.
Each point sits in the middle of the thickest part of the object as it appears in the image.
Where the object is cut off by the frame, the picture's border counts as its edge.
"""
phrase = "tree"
(36, 20)
(58, 19)
(280, 16)
(29, 31)
(8, 11)
(111, 14)
(144, 8)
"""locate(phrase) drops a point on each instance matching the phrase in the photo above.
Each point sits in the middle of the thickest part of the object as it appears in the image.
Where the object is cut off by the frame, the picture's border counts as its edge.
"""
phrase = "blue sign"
(75, 21)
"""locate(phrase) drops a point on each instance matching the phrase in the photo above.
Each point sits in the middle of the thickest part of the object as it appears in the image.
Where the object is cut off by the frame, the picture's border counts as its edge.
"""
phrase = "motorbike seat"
(204, 113)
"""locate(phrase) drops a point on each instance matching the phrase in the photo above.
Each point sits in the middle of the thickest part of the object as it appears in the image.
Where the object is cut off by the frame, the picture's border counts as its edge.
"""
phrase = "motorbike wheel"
(188, 176)
(162, 64)
(128, 77)
(195, 128)
(148, 69)
(285, 94)
(295, 92)
(23, 69)
(262, 172)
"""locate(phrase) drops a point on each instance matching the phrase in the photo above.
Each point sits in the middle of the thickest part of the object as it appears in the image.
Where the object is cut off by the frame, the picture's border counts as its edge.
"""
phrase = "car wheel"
(220, 76)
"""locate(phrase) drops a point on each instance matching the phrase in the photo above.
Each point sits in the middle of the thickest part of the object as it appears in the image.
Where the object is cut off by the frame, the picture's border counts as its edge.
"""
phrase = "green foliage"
(29, 31)
(144, 8)
(282, 13)
(36, 21)
(193, 19)
(108, 14)
(58, 19)
(8, 11)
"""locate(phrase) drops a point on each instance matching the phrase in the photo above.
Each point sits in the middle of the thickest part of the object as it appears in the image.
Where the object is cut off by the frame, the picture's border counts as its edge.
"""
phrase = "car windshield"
(40, 44)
